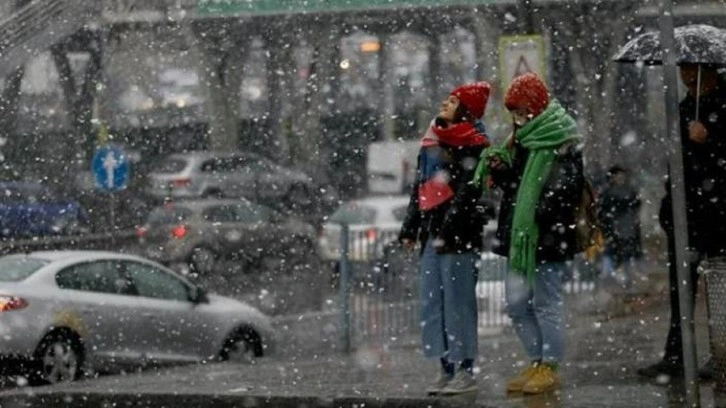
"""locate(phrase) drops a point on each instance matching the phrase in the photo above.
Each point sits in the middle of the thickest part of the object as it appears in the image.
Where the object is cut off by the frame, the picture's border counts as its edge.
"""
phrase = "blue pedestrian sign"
(110, 168)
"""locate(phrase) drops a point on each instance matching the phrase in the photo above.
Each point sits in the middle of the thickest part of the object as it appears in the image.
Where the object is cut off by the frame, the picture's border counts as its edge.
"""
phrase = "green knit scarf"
(542, 136)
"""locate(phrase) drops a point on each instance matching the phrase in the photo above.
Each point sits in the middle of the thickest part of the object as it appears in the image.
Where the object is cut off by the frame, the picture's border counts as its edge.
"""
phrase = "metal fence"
(103, 241)
(380, 288)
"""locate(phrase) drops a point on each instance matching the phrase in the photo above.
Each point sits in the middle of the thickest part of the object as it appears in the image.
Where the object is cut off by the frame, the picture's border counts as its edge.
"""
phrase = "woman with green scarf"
(539, 170)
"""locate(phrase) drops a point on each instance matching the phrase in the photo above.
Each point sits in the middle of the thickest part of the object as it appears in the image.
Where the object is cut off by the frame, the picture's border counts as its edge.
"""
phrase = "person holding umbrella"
(703, 139)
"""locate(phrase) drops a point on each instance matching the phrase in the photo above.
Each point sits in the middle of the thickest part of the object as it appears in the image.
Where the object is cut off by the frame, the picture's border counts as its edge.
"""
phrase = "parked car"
(372, 222)
(203, 232)
(29, 209)
(65, 312)
(234, 174)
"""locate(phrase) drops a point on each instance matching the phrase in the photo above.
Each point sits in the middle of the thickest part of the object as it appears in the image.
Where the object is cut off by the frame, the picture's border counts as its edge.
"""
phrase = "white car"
(373, 222)
(68, 311)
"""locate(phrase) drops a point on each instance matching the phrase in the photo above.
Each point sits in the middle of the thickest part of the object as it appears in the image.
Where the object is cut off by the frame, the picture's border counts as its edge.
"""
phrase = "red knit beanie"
(474, 97)
(527, 92)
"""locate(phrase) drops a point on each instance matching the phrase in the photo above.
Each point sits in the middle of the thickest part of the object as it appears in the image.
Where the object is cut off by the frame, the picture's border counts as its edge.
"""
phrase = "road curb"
(164, 400)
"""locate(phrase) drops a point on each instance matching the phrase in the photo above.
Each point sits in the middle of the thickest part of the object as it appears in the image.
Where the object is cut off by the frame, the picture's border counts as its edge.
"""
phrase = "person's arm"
(563, 190)
(605, 209)
(466, 194)
(503, 175)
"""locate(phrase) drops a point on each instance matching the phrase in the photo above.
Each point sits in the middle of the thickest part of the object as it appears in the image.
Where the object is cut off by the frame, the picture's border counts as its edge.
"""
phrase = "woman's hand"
(495, 163)
(697, 132)
(440, 246)
(408, 244)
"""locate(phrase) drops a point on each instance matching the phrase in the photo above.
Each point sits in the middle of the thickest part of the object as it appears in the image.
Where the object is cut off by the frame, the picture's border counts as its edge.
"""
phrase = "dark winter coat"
(704, 168)
(458, 222)
(555, 214)
(618, 208)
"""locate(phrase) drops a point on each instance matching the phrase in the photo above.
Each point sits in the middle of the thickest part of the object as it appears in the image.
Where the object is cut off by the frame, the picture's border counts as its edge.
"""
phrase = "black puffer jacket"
(555, 215)
(704, 169)
(460, 221)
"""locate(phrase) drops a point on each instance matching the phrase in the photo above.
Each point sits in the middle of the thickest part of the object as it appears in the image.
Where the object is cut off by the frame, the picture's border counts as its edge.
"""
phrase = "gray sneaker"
(441, 381)
(462, 383)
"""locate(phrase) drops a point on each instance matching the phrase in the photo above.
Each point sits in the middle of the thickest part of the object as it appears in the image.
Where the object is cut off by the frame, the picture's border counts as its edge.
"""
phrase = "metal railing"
(130, 6)
(150, 11)
(101, 241)
(380, 289)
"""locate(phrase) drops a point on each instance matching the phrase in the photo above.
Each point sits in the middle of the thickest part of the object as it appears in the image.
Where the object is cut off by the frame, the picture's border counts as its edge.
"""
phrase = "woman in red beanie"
(539, 170)
(442, 215)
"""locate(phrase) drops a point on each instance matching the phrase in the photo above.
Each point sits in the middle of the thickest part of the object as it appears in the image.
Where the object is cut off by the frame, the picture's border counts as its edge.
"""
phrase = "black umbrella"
(694, 44)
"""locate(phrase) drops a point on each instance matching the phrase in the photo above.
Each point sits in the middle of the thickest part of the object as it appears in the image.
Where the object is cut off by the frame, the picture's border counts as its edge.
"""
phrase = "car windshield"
(170, 165)
(168, 215)
(18, 269)
(354, 213)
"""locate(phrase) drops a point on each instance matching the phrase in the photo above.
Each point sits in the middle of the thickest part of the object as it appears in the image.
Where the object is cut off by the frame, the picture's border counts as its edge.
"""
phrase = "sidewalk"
(603, 354)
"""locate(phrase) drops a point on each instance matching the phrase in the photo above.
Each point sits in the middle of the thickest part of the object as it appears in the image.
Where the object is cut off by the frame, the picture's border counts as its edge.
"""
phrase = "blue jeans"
(448, 305)
(537, 311)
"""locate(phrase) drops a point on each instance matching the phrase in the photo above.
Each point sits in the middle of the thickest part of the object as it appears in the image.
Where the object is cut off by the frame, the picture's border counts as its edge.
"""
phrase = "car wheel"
(202, 261)
(60, 358)
(244, 346)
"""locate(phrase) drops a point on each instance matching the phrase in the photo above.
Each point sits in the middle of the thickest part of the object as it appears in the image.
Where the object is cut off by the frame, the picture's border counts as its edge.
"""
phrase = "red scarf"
(435, 189)
(460, 134)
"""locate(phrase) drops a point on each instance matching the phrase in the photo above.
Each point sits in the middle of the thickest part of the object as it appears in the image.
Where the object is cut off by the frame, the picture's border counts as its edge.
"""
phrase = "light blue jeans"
(537, 311)
(448, 305)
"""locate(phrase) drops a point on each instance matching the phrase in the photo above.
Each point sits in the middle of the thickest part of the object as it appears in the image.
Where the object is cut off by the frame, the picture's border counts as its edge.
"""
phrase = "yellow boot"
(544, 379)
(516, 383)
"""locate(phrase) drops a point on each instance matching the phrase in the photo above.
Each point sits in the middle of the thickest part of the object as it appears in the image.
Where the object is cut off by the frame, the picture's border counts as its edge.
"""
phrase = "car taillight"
(180, 231)
(372, 234)
(141, 232)
(8, 303)
(180, 183)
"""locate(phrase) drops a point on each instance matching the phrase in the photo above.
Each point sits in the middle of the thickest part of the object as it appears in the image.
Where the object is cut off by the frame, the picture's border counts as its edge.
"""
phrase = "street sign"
(228, 8)
(110, 168)
(519, 55)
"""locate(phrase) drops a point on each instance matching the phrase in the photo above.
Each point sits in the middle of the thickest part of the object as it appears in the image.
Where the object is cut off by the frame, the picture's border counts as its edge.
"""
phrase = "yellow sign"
(519, 55)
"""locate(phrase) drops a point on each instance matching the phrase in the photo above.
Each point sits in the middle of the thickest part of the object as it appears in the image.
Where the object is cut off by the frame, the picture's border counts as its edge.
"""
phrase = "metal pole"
(113, 220)
(526, 16)
(675, 160)
(344, 289)
(698, 94)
